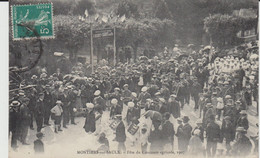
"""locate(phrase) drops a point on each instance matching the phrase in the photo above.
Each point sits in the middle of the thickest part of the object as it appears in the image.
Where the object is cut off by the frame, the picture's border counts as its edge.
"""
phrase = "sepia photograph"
(133, 78)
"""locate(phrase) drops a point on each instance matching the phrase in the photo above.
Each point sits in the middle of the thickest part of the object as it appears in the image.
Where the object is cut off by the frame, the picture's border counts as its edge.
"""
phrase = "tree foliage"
(189, 15)
(223, 28)
(71, 31)
(127, 8)
(161, 10)
(83, 5)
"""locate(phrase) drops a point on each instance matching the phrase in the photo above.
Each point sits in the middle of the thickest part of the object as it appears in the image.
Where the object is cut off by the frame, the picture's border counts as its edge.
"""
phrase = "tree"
(224, 28)
(189, 15)
(72, 32)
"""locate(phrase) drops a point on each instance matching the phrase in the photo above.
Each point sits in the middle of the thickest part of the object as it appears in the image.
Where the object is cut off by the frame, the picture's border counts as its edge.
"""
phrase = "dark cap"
(39, 135)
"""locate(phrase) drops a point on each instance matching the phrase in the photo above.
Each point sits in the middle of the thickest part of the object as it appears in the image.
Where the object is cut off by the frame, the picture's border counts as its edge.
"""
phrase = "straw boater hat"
(243, 112)
(15, 103)
(114, 101)
(173, 95)
(130, 104)
(227, 118)
(196, 132)
(90, 105)
(144, 89)
(117, 89)
(134, 94)
(209, 105)
(240, 129)
(228, 97)
(58, 102)
(97, 93)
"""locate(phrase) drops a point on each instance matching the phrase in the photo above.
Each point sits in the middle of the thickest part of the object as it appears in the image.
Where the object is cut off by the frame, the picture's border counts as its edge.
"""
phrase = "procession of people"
(145, 99)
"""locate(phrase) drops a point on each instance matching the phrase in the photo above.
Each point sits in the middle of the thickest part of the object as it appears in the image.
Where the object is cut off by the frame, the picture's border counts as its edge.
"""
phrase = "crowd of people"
(153, 92)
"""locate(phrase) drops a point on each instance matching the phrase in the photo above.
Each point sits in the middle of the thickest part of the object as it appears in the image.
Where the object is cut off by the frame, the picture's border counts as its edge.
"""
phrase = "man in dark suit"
(155, 137)
(187, 129)
(213, 136)
(71, 105)
(47, 105)
(39, 112)
(14, 122)
(168, 130)
(174, 106)
(120, 134)
(90, 122)
(115, 108)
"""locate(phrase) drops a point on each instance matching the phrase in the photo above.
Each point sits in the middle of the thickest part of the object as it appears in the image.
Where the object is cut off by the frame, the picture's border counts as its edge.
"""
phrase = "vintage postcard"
(133, 78)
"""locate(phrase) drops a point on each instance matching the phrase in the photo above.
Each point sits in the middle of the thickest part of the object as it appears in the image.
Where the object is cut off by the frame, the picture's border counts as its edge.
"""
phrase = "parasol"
(79, 80)
(143, 58)
(207, 47)
(190, 45)
(68, 77)
(154, 115)
(58, 54)
(182, 56)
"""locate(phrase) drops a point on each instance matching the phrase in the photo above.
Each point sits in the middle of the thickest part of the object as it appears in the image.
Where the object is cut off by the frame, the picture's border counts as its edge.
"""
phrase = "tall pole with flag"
(114, 46)
(91, 49)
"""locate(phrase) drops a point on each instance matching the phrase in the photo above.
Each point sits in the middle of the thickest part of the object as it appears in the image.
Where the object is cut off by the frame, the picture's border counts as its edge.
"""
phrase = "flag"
(122, 19)
(86, 13)
(104, 19)
(96, 17)
(114, 19)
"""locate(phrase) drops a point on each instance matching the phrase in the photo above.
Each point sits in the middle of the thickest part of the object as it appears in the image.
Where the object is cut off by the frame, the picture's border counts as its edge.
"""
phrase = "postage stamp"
(31, 21)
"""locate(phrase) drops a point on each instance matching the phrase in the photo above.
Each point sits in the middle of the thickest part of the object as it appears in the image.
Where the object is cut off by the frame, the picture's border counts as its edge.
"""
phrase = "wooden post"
(91, 49)
(114, 46)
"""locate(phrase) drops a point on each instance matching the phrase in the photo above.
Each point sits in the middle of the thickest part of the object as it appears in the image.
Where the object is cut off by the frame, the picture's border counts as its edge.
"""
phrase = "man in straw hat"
(24, 121)
(115, 108)
(13, 122)
(100, 106)
(143, 96)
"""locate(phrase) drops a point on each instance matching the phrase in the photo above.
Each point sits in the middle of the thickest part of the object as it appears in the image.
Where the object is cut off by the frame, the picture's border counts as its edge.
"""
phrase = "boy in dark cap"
(38, 144)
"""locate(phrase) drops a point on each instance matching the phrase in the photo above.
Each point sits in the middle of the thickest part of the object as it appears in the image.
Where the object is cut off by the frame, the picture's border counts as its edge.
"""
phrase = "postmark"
(32, 21)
